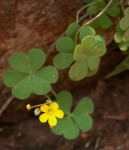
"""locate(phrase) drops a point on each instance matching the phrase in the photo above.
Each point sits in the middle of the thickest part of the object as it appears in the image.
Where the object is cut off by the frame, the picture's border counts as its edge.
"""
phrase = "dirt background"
(38, 23)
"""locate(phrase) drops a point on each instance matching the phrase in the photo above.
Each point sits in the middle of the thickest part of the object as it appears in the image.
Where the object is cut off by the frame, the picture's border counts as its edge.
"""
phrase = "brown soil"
(110, 130)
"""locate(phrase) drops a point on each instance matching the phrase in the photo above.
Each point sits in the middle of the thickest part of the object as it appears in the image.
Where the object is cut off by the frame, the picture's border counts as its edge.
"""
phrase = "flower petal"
(59, 113)
(44, 108)
(52, 121)
(54, 106)
(43, 118)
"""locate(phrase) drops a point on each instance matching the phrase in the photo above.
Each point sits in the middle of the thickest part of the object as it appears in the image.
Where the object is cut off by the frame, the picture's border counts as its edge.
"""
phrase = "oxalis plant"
(80, 50)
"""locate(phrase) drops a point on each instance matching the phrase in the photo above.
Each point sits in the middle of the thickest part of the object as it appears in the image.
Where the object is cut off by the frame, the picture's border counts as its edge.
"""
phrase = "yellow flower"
(50, 113)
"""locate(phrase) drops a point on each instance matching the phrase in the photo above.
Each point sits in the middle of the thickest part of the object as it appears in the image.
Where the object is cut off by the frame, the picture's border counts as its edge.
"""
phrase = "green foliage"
(26, 78)
(73, 122)
(123, 66)
(122, 32)
(63, 60)
(86, 31)
(104, 21)
(65, 47)
(87, 57)
(72, 29)
(81, 49)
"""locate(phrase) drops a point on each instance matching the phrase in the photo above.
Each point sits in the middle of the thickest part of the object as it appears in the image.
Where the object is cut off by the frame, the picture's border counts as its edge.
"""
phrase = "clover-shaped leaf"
(26, 78)
(126, 35)
(86, 31)
(67, 128)
(122, 32)
(81, 112)
(95, 8)
(65, 46)
(87, 57)
(75, 121)
(78, 70)
(63, 60)
(118, 36)
(113, 10)
(92, 72)
(124, 22)
(104, 21)
(64, 99)
(72, 29)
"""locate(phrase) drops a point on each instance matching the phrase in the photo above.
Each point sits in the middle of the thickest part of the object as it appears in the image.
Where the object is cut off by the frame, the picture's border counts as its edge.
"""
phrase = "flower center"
(50, 112)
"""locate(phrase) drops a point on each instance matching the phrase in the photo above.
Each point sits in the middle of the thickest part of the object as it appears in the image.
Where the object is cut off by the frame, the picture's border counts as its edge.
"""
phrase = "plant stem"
(47, 97)
(90, 21)
(84, 7)
(122, 7)
(35, 106)
(53, 92)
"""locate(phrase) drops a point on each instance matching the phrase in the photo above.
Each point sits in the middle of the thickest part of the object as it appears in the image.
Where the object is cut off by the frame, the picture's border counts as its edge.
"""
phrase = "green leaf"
(84, 125)
(91, 73)
(85, 106)
(98, 50)
(63, 60)
(121, 67)
(93, 62)
(27, 63)
(69, 129)
(100, 39)
(23, 89)
(30, 84)
(126, 11)
(78, 70)
(104, 21)
(86, 31)
(83, 49)
(65, 44)
(126, 35)
(64, 99)
(88, 43)
(81, 112)
(87, 56)
(49, 74)
(118, 37)
(39, 86)
(92, 46)
(78, 53)
(124, 23)
(123, 46)
(113, 11)
(26, 78)
(12, 77)
(93, 9)
(58, 129)
(79, 119)
(72, 29)
(36, 58)
(19, 62)
(95, 24)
